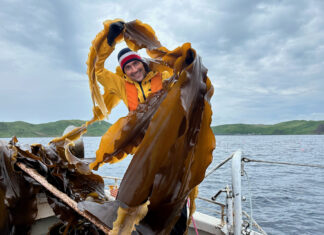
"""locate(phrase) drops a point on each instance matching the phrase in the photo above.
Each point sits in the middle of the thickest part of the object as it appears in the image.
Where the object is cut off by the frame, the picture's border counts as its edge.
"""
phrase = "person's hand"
(114, 30)
(190, 57)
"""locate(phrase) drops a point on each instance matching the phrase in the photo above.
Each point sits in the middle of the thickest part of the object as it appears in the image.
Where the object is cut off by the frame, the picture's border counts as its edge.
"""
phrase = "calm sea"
(285, 199)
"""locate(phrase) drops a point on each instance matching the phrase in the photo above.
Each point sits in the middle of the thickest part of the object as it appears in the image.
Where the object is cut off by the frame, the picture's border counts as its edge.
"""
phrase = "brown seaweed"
(18, 190)
(17, 195)
(169, 136)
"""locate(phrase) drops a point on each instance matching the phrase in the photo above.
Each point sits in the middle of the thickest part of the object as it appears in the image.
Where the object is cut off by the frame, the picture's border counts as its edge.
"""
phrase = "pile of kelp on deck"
(18, 204)
(169, 135)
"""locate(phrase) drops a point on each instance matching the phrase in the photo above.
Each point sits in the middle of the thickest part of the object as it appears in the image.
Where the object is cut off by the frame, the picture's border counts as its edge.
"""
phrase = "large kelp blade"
(124, 136)
(173, 144)
(164, 168)
(139, 35)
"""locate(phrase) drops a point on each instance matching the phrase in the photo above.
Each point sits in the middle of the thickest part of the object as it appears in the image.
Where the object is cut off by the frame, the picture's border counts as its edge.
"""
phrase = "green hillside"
(54, 129)
(299, 127)
(50, 129)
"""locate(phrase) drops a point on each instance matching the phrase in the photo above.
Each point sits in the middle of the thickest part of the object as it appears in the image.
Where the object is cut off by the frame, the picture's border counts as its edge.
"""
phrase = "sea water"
(285, 199)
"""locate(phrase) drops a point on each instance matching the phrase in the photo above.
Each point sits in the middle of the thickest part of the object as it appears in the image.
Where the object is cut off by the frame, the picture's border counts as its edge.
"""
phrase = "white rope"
(255, 223)
(250, 198)
(282, 163)
(219, 165)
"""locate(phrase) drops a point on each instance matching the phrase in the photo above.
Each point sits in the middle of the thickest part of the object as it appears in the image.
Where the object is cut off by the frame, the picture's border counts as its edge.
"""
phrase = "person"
(132, 83)
(136, 82)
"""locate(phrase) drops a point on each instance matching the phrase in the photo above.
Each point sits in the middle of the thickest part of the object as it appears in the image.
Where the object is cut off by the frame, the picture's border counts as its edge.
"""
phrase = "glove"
(190, 57)
(114, 30)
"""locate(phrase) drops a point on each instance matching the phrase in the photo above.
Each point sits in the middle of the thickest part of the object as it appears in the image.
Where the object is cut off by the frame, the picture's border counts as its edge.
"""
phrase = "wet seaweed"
(169, 137)
(18, 190)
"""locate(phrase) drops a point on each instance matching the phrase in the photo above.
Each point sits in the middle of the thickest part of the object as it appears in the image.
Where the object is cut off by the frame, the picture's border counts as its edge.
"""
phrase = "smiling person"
(133, 82)
(139, 80)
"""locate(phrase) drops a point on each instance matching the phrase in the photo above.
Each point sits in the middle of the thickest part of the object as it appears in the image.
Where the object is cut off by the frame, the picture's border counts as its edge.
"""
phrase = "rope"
(219, 165)
(192, 218)
(282, 163)
(250, 195)
(255, 223)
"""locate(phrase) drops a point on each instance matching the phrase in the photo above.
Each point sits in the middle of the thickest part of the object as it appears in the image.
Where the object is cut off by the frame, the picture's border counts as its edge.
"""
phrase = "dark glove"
(114, 30)
(190, 57)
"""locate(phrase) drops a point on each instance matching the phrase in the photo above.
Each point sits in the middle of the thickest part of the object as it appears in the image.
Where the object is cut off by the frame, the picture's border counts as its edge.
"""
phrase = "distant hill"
(50, 129)
(299, 127)
(55, 129)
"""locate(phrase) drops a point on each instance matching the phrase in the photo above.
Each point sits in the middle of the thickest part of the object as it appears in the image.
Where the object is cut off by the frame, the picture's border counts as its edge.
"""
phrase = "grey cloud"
(47, 27)
(265, 58)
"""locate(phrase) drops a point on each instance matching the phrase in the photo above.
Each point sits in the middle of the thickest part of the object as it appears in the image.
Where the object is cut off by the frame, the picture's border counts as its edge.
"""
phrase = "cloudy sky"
(265, 58)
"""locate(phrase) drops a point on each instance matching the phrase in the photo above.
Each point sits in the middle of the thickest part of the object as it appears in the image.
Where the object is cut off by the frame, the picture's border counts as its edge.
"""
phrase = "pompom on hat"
(126, 55)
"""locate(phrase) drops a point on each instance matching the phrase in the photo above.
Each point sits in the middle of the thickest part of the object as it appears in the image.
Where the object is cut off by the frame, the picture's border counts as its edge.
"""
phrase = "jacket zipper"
(140, 83)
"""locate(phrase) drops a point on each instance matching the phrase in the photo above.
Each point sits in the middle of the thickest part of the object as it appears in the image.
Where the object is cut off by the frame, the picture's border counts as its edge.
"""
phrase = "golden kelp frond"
(128, 218)
(192, 206)
(107, 145)
(159, 66)
(126, 134)
(137, 29)
(75, 134)
(170, 136)
(79, 165)
(176, 58)
(157, 52)
(98, 43)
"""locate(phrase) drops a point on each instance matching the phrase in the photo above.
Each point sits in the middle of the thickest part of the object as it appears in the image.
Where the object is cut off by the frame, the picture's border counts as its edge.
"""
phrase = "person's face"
(135, 70)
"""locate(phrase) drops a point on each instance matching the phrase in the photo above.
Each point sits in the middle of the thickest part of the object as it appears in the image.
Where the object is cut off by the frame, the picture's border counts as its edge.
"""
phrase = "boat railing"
(232, 210)
(222, 206)
(116, 179)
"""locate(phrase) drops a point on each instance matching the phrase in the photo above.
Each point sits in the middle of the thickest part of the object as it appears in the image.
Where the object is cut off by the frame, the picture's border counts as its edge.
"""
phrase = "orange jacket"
(132, 93)
(119, 85)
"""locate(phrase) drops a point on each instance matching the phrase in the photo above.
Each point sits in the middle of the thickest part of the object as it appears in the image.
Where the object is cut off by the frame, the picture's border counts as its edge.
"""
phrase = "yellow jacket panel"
(114, 83)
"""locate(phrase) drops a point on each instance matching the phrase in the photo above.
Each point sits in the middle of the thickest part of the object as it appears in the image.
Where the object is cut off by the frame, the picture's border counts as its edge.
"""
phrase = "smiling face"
(135, 70)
